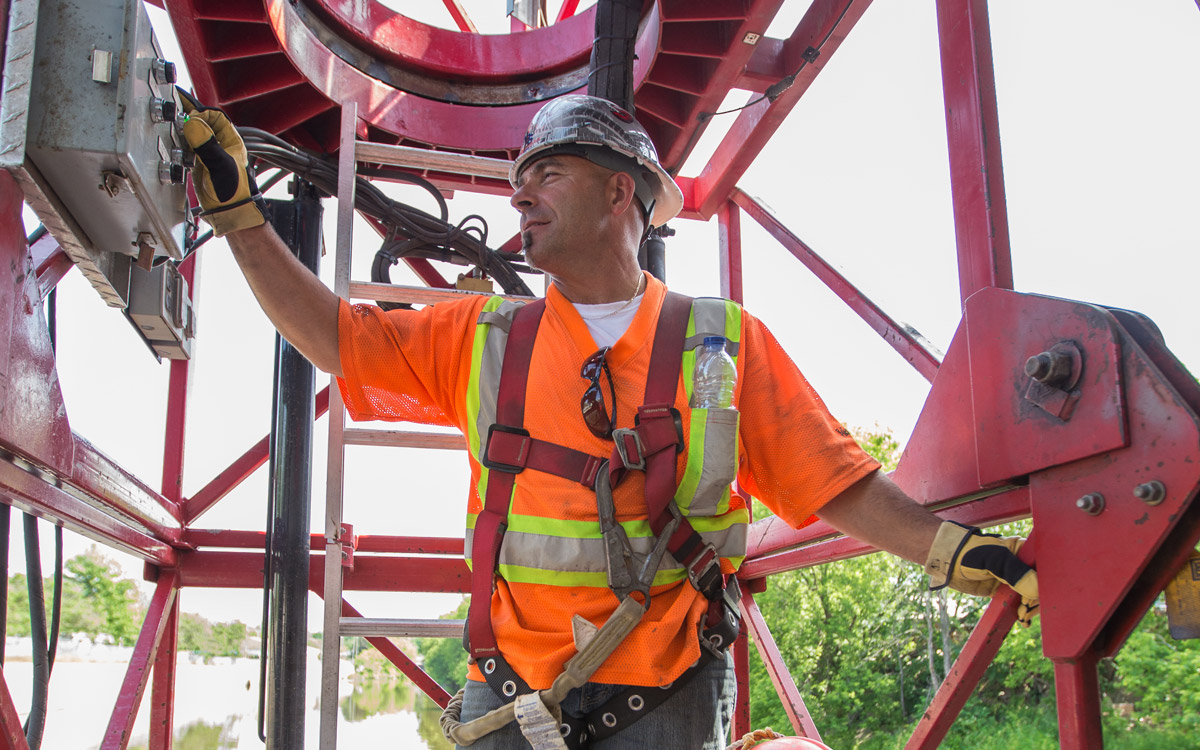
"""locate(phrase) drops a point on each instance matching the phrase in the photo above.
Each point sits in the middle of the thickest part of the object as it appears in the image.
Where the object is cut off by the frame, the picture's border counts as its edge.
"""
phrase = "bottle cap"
(714, 341)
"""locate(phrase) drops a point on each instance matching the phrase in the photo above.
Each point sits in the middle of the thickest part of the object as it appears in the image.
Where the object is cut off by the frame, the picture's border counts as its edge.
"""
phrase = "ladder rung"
(404, 439)
(392, 628)
(418, 295)
(438, 161)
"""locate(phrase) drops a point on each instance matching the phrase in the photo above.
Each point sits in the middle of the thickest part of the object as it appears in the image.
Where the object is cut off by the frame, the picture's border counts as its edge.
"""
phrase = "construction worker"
(595, 487)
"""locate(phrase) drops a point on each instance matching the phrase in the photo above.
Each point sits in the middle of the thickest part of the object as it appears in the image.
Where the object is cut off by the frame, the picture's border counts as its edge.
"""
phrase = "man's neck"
(601, 288)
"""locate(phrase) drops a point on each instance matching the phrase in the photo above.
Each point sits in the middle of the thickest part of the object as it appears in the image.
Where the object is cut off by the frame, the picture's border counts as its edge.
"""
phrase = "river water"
(216, 705)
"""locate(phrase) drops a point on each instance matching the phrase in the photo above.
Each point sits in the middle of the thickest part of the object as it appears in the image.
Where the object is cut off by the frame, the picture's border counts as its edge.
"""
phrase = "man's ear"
(621, 194)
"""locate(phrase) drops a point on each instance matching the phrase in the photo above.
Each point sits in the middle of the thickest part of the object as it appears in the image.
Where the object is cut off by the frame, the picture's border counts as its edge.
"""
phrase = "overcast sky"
(1098, 117)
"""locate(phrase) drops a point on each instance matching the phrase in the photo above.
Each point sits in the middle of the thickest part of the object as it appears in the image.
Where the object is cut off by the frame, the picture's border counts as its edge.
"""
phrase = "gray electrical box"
(103, 152)
(162, 309)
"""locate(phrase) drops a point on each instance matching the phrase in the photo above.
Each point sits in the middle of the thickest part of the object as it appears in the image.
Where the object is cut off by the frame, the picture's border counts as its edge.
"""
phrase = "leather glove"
(967, 560)
(222, 178)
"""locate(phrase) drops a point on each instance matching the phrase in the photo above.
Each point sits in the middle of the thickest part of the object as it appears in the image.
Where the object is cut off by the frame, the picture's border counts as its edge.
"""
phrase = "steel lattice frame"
(1061, 444)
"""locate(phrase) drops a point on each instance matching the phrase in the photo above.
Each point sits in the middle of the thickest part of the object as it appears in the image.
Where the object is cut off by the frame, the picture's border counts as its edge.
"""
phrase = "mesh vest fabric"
(416, 366)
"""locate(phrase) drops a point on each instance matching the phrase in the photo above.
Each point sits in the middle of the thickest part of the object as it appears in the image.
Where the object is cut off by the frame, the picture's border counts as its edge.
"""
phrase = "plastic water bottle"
(714, 376)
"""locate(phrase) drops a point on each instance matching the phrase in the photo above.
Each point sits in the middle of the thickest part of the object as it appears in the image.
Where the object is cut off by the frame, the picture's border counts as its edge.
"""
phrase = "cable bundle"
(411, 233)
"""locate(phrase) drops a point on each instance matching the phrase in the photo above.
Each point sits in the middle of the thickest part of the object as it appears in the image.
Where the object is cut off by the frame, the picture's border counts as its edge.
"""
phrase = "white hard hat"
(602, 132)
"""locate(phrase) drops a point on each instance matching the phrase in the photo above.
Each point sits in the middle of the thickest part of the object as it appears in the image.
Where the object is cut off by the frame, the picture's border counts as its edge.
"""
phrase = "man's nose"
(522, 198)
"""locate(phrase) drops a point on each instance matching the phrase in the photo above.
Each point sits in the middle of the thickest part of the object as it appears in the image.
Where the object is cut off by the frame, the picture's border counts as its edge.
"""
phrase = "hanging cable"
(35, 723)
(56, 603)
(412, 233)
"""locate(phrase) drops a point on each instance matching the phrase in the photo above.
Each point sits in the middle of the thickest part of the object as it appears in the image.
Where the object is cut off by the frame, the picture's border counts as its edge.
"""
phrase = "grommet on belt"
(509, 688)
(489, 666)
(636, 703)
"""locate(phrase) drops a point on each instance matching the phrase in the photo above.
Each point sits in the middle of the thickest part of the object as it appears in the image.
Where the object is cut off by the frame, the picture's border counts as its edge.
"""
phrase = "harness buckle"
(511, 444)
(623, 437)
(705, 572)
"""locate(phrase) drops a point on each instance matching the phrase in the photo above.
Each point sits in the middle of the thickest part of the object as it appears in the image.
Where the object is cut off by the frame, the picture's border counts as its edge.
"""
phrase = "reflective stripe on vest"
(571, 553)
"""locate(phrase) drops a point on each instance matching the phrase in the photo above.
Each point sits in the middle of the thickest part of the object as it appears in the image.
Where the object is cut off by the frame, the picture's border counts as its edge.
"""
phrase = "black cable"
(35, 723)
(264, 634)
(56, 603)
(5, 520)
(412, 233)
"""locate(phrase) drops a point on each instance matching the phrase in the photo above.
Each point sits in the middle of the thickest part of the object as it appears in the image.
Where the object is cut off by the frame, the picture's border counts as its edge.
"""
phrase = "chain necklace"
(636, 291)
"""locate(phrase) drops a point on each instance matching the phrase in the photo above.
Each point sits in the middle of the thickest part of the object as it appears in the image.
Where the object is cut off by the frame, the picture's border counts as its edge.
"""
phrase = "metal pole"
(298, 223)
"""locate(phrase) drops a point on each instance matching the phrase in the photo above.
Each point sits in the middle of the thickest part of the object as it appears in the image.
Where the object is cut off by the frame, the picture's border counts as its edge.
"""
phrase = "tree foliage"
(444, 658)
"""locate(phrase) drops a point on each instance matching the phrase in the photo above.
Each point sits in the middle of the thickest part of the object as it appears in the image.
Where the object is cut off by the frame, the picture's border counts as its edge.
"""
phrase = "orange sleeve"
(795, 456)
(408, 365)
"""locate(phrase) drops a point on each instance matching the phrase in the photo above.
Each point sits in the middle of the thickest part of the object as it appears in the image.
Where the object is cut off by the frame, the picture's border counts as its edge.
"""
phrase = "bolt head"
(1091, 503)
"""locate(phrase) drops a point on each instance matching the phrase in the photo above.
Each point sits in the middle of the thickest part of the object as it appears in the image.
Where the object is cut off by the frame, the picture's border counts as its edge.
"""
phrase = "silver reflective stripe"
(708, 319)
(490, 364)
(720, 461)
(574, 555)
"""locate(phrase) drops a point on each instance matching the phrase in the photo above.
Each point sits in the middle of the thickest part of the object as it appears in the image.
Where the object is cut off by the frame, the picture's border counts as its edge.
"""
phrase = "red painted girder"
(1077, 695)
(406, 665)
(781, 678)
(110, 486)
(10, 722)
(756, 124)
(567, 10)
(35, 496)
(732, 54)
(775, 547)
(973, 660)
(905, 340)
(461, 19)
(129, 698)
(766, 66)
(406, 545)
(238, 471)
(973, 133)
(50, 262)
(417, 46)
(370, 573)
(193, 43)
(729, 243)
(252, 40)
(162, 687)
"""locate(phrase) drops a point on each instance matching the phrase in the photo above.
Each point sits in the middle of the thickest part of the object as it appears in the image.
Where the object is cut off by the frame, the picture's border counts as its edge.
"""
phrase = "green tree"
(116, 599)
(444, 658)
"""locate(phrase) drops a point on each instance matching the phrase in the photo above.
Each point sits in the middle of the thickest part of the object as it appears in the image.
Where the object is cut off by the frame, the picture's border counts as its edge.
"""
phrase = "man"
(568, 503)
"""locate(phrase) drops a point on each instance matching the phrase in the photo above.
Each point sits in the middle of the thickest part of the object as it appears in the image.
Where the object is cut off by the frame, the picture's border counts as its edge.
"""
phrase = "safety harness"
(650, 446)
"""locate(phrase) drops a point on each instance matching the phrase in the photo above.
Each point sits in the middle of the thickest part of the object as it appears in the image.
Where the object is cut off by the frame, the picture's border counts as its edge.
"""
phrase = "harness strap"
(492, 521)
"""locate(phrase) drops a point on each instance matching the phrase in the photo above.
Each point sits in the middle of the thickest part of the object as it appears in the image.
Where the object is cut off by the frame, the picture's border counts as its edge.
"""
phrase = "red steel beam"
(973, 135)
(570, 6)
(238, 471)
(403, 545)
(129, 698)
(729, 240)
(162, 687)
(756, 124)
(1077, 693)
(406, 665)
(822, 544)
(10, 722)
(51, 263)
(244, 570)
(977, 653)
(461, 19)
(781, 678)
(906, 341)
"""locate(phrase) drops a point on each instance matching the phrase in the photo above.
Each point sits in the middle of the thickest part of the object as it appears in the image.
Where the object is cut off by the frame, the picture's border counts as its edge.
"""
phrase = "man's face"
(561, 200)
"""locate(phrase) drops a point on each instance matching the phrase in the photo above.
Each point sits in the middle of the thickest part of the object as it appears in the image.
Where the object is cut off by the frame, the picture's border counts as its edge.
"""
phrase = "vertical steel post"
(1077, 693)
(729, 239)
(298, 223)
(973, 137)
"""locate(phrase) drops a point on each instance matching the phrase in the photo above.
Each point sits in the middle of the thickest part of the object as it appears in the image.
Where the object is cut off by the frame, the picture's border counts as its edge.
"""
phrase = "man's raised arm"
(303, 310)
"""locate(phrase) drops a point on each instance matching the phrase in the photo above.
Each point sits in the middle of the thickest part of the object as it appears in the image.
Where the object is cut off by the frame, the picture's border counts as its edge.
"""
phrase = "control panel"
(88, 129)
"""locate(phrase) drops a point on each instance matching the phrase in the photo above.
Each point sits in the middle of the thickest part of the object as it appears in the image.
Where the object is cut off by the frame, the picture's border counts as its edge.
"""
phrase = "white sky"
(1098, 116)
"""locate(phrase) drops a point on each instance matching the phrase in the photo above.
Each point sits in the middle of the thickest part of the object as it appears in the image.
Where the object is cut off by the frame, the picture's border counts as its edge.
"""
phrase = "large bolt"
(1150, 493)
(1091, 503)
(1049, 367)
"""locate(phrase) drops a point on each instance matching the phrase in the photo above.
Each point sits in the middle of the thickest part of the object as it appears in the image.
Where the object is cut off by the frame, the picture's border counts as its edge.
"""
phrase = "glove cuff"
(241, 215)
(943, 553)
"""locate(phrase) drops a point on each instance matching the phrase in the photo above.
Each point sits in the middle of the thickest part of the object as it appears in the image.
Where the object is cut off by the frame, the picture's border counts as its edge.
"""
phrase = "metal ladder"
(339, 539)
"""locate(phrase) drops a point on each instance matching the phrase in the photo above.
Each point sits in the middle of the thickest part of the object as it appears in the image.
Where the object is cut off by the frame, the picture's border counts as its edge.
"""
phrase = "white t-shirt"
(608, 321)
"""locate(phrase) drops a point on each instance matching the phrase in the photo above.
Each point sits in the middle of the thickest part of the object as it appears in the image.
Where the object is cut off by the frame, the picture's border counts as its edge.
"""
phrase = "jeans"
(696, 717)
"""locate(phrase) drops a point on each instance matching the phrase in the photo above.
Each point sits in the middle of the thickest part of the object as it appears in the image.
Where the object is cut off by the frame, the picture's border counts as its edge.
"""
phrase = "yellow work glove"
(222, 178)
(967, 560)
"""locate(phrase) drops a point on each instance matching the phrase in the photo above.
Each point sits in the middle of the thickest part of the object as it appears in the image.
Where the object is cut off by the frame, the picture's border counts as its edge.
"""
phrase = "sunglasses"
(595, 411)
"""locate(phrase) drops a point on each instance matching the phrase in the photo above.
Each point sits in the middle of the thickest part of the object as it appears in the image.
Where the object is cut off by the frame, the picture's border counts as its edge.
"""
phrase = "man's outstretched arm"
(303, 310)
(874, 510)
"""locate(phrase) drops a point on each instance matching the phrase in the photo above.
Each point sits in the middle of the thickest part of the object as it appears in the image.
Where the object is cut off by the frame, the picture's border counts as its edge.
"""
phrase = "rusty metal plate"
(1088, 562)
(1183, 601)
(1021, 424)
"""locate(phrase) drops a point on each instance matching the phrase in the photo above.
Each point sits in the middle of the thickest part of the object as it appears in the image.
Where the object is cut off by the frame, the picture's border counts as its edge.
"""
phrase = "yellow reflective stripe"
(520, 574)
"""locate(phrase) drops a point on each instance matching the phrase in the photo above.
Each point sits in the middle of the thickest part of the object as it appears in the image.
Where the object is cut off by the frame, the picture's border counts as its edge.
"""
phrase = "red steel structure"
(1125, 415)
